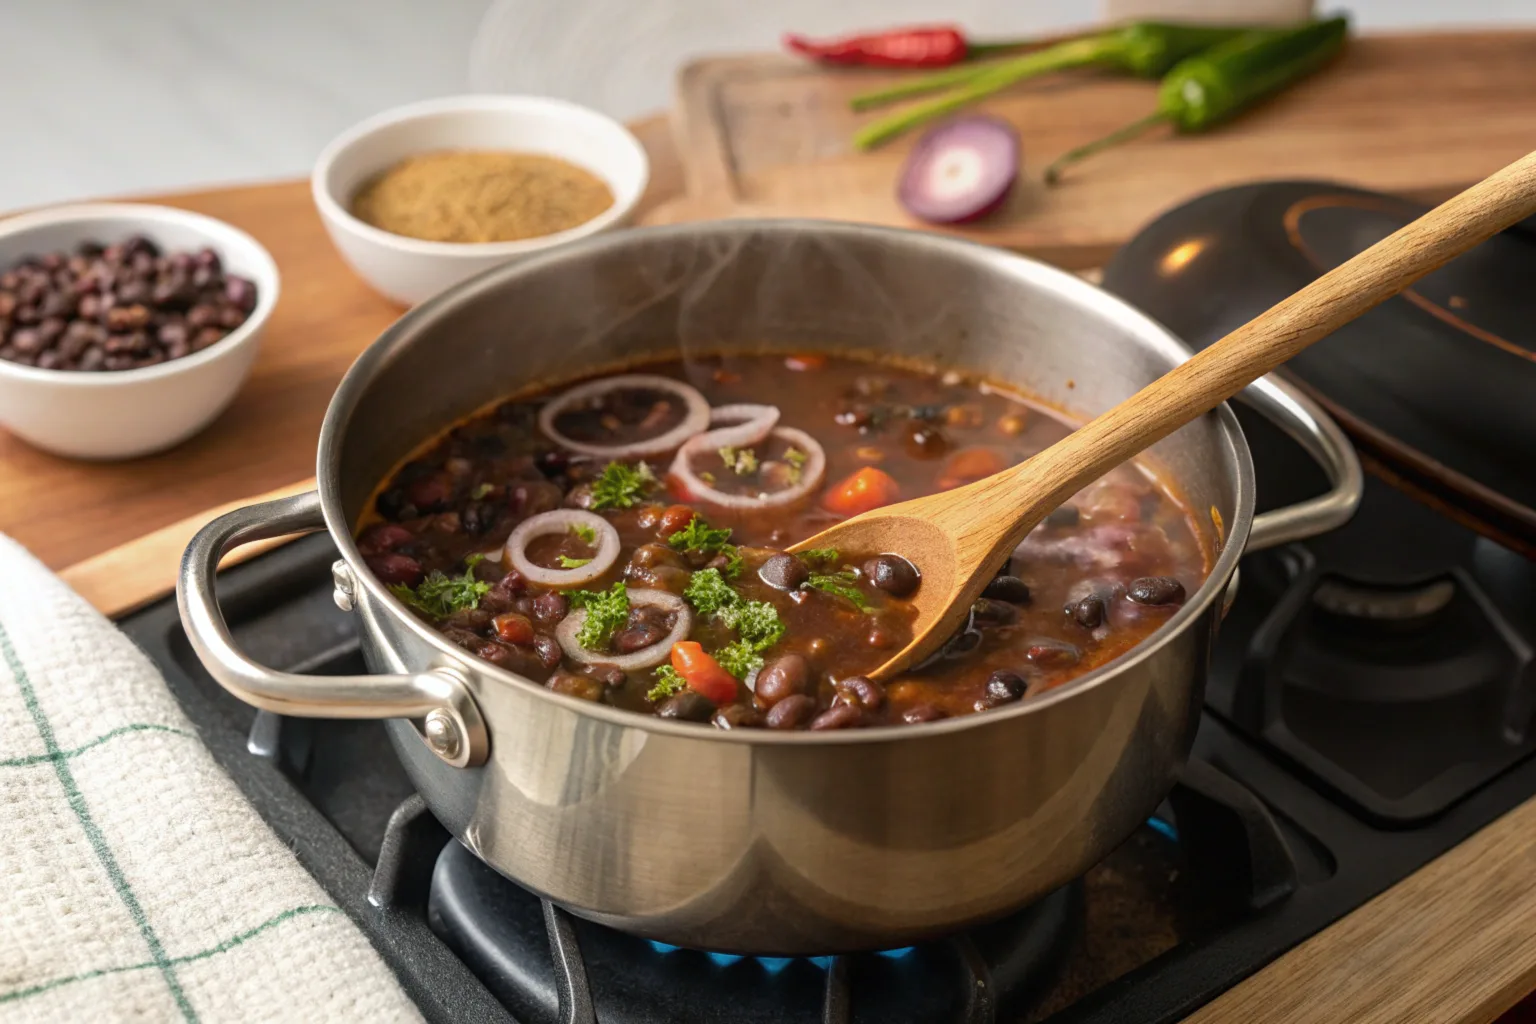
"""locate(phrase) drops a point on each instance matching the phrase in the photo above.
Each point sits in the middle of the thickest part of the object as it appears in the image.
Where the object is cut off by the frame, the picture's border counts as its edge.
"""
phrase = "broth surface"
(782, 641)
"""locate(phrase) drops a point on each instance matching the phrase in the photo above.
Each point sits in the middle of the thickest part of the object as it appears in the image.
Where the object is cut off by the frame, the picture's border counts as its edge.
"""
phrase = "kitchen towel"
(136, 883)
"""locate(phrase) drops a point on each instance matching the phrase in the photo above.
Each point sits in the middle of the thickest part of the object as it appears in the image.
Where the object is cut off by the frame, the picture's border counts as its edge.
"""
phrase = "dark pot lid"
(1437, 386)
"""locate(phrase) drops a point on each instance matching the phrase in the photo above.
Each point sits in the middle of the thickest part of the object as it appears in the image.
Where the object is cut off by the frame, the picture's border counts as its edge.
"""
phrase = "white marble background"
(113, 97)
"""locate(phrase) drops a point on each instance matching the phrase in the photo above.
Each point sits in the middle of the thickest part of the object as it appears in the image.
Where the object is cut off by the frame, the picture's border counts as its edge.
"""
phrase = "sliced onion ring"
(757, 427)
(645, 657)
(560, 521)
(695, 415)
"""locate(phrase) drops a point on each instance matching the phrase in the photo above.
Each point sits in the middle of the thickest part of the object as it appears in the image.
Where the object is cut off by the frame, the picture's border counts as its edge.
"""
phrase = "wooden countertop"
(65, 511)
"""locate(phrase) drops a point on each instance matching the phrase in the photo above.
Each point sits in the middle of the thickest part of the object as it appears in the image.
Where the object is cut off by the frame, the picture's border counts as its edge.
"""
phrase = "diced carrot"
(673, 519)
(866, 489)
(970, 464)
(805, 362)
(702, 672)
(513, 628)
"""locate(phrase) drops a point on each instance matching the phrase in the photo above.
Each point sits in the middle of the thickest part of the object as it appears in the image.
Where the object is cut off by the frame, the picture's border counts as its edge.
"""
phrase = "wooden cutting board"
(1420, 115)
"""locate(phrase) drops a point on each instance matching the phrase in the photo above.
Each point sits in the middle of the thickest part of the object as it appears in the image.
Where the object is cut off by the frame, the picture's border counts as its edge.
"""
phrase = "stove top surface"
(1369, 708)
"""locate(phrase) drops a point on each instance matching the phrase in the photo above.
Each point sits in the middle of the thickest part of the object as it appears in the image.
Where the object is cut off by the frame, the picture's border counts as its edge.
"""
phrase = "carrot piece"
(970, 464)
(866, 489)
(702, 672)
(805, 362)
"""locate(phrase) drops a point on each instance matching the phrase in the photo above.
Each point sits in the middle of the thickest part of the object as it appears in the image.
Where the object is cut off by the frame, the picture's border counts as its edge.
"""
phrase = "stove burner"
(1410, 605)
(506, 934)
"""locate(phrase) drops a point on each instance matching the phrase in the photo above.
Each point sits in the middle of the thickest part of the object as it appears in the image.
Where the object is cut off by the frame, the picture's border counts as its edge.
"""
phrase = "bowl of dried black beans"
(125, 328)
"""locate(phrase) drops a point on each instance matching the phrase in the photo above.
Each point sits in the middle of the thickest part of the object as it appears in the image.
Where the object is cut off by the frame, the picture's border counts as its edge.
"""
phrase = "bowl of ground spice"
(424, 196)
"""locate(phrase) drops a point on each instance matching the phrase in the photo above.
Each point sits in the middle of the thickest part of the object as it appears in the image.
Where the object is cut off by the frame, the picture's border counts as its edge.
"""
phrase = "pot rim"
(401, 333)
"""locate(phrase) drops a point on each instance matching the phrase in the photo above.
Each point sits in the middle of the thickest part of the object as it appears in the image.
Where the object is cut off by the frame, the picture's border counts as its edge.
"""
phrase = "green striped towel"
(135, 881)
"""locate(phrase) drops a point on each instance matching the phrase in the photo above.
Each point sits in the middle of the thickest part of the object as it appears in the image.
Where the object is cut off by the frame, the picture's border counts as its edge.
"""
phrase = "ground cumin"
(468, 196)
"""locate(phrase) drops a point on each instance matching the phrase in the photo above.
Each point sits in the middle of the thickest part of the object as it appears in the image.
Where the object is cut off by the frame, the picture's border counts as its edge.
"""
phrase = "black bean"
(786, 572)
(552, 463)
(1007, 588)
(839, 716)
(477, 517)
(609, 675)
(892, 574)
(476, 619)
(860, 690)
(738, 716)
(987, 612)
(1003, 687)
(1156, 590)
(577, 686)
(1053, 654)
(634, 638)
(1088, 612)
(548, 650)
(394, 505)
(782, 677)
(925, 442)
(656, 554)
(791, 712)
(1064, 516)
(922, 713)
(688, 706)
(550, 607)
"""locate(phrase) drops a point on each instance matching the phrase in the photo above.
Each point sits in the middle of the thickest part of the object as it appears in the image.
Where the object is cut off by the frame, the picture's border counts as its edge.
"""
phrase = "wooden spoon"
(958, 538)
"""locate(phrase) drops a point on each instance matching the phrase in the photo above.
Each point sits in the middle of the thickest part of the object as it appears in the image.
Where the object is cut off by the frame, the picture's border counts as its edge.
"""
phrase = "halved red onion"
(760, 423)
(561, 520)
(645, 657)
(961, 170)
(695, 415)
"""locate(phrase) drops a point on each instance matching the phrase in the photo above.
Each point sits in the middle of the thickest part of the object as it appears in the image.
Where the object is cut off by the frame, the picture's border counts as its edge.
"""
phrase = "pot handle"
(452, 726)
(1306, 423)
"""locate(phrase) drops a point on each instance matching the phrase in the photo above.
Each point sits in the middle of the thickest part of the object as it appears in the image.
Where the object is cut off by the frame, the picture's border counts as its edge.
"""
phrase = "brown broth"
(464, 493)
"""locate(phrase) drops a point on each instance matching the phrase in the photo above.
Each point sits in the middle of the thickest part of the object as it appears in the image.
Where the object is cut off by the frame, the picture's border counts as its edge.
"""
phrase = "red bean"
(922, 713)
(382, 537)
(791, 712)
(550, 607)
(782, 677)
(860, 690)
(839, 716)
(392, 568)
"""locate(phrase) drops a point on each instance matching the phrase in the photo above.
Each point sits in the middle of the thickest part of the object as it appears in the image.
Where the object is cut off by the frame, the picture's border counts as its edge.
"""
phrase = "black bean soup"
(621, 541)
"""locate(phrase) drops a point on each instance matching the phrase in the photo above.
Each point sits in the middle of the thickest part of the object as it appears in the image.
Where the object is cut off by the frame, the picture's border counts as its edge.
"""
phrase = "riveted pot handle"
(1314, 430)
(454, 728)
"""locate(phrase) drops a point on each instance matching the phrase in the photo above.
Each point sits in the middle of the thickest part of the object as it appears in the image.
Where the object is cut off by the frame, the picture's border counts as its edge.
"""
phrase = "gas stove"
(1369, 708)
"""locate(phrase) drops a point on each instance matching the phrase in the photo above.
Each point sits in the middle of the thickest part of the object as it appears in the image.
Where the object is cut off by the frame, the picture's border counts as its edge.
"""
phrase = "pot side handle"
(1309, 426)
(452, 727)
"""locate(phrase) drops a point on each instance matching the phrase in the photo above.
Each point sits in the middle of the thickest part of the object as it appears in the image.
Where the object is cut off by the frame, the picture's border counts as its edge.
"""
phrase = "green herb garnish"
(668, 684)
(757, 623)
(698, 536)
(819, 556)
(584, 533)
(567, 562)
(607, 611)
(796, 459)
(481, 490)
(440, 596)
(741, 461)
(708, 592)
(620, 486)
(842, 584)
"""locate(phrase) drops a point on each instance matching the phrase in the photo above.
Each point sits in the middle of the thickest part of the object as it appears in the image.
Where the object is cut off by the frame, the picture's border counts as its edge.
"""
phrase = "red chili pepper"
(923, 47)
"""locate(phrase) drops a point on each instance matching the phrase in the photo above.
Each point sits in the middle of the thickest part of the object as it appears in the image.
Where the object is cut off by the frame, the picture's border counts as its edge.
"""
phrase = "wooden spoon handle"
(1217, 373)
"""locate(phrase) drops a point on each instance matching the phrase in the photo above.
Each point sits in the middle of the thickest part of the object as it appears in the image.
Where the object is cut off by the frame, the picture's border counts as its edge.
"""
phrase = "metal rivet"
(442, 734)
(344, 593)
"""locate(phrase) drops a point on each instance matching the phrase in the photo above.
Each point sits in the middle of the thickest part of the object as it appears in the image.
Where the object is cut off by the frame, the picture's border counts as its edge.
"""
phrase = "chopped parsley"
(796, 459)
(440, 596)
(741, 461)
(607, 611)
(757, 623)
(668, 684)
(567, 562)
(621, 486)
(584, 533)
(842, 584)
(481, 490)
(708, 592)
(819, 556)
(699, 536)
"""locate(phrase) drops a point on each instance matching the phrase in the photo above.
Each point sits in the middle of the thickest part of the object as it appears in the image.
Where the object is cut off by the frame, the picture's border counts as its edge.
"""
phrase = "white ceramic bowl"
(409, 270)
(120, 414)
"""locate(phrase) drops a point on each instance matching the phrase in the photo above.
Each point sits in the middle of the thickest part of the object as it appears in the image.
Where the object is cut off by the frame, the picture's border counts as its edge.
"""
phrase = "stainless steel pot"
(754, 841)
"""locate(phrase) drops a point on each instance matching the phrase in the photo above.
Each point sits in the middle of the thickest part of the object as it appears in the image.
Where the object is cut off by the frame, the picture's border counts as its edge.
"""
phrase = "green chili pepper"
(1211, 87)
(1145, 48)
